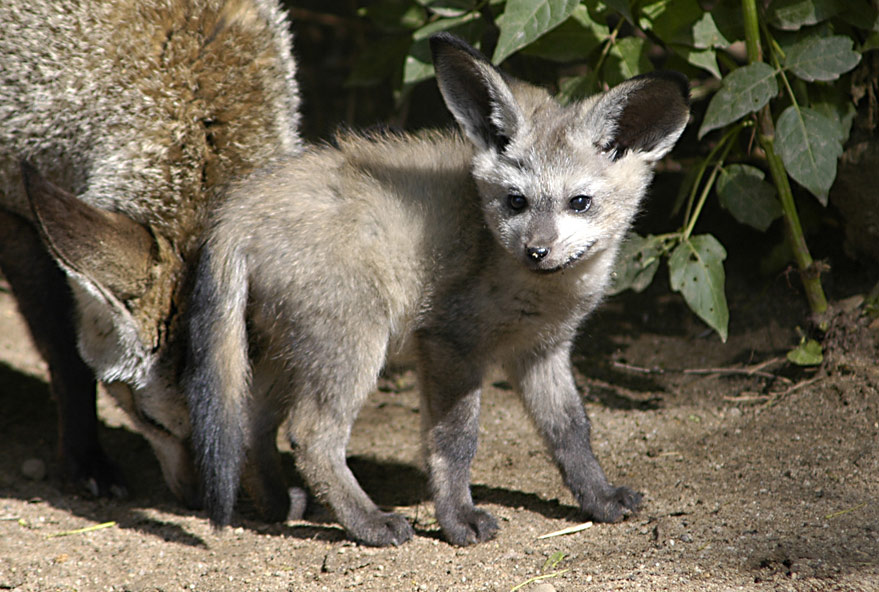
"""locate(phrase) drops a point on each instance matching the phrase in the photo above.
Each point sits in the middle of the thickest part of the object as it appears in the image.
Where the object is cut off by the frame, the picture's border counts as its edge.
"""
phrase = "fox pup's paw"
(468, 526)
(613, 504)
(380, 529)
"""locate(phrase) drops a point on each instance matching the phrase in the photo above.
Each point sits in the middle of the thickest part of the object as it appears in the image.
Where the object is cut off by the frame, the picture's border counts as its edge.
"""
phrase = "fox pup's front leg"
(545, 382)
(450, 394)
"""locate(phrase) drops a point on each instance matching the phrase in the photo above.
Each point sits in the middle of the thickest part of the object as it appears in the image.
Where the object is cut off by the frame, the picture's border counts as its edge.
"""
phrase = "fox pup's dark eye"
(581, 203)
(517, 202)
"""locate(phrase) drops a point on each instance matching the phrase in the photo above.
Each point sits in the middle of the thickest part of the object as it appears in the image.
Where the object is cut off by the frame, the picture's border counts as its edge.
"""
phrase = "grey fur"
(319, 272)
(135, 116)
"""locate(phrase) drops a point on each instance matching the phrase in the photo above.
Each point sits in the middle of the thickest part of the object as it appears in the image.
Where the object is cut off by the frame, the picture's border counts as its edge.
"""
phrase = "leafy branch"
(788, 89)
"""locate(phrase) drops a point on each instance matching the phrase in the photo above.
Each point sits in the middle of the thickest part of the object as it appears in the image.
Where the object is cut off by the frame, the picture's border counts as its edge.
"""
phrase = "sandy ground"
(757, 475)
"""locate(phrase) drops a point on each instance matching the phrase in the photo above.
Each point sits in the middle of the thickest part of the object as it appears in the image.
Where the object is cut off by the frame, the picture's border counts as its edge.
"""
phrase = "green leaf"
(578, 87)
(727, 16)
(705, 59)
(809, 145)
(791, 15)
(696, 271)
(523, 21)
(834, 104)
(419, 64)
(392, 15)
(821, 58)
(449, 8)
(574, 39)
(672, 21)
(706, 33)
(807, 353)
(744, 91)
(870, 43)
(626, 58)
(623, 7)
(637, 263)
(751, 200)
(861, 14)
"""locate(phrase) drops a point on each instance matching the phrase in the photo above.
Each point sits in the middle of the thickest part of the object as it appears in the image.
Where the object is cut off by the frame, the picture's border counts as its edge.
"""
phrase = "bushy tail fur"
(217, 376)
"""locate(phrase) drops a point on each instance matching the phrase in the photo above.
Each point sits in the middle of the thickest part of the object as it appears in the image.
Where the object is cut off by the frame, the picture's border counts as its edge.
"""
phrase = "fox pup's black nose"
(537, 253)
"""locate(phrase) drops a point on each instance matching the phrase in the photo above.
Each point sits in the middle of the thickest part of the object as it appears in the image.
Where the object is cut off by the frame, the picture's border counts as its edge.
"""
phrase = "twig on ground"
(569, 530)
(751, 397)
(82, 530)
(755, 370)
(833, 515)
(798, 386)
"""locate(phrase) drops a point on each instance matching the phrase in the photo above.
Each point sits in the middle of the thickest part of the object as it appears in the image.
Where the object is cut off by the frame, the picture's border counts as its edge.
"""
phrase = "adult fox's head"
(209, 95)
(559, 183)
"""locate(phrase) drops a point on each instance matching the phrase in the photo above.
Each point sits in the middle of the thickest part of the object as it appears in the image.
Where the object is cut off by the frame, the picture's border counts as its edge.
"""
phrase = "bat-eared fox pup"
(457, 251)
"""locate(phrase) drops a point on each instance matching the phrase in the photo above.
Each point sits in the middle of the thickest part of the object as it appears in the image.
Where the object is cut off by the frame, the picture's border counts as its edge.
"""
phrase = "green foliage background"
(773, 98)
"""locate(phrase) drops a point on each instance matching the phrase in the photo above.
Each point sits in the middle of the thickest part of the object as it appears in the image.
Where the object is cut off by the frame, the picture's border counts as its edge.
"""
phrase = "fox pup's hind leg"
(263, 478)
(450, 394)
(546, 385)
(45, 301)
(329, 395)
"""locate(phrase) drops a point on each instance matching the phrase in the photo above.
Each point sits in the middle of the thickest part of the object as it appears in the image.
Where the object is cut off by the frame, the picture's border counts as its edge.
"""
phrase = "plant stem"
(689, 217)
(809, 273)
(691, 223)
(752, 31)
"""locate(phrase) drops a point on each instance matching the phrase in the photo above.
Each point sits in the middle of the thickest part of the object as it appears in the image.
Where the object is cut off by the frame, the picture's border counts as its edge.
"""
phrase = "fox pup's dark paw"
(380, 529)
(468, 526)
(613, 504)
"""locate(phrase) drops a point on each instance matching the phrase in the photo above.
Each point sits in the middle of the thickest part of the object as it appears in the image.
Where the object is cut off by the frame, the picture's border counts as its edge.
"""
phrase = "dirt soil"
(757, 475)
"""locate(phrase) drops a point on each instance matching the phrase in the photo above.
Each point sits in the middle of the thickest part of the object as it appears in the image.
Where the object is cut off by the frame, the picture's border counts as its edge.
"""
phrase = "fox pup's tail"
(217, 376)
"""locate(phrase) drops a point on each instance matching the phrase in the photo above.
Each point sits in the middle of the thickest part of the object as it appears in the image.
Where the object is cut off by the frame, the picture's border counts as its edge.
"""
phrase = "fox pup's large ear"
(645, 114)
(475, 92)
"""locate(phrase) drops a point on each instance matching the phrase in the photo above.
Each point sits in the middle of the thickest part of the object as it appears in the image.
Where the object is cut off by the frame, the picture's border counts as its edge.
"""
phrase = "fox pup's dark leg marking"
(263, 478)
(546, 385)
(450, 395)
(45, 301)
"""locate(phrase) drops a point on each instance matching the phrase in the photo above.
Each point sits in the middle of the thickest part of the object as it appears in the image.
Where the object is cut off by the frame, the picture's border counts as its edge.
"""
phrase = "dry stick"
(742, 398)
(841, 512)
(569, 530)
(745, 371)
(777, 395)
(798, 386)
(755, 370)
(82, 530)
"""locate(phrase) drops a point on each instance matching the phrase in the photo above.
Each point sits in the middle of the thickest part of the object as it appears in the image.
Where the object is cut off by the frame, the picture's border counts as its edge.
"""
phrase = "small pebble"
(544, 587)
(34, 469)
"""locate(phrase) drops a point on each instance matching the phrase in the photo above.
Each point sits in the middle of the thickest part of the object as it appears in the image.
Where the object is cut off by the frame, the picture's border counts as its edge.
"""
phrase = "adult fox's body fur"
(139, 112)
(459, 252)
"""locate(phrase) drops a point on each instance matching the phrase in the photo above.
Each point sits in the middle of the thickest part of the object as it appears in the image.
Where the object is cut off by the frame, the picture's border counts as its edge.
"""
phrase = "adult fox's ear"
(110, 248)
(129, 271)
(475, 92)
(645, 114)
